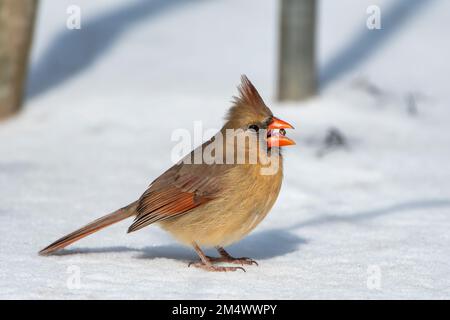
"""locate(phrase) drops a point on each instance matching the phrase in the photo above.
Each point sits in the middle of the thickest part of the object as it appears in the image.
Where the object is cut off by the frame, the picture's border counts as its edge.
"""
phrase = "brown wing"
(177, 191)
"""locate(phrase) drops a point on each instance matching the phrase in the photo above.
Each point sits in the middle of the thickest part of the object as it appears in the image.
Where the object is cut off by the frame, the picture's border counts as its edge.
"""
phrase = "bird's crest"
(248, 104)
(248, 95)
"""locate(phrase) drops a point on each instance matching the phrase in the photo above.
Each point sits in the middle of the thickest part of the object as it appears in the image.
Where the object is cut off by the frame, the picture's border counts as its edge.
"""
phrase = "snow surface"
(96, 130)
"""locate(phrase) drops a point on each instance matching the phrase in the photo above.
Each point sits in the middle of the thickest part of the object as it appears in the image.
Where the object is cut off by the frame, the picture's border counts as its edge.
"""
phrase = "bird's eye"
(254, 127)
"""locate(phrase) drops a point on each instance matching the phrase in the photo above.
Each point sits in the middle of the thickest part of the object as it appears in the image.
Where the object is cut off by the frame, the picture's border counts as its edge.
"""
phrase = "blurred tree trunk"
(16, 31)
(297, 72)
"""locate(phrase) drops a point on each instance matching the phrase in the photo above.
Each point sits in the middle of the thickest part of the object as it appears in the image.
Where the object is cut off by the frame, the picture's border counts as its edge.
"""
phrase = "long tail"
(92, 227)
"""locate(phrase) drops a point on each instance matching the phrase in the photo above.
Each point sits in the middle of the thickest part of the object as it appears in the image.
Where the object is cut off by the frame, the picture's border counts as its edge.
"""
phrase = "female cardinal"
(215, 203)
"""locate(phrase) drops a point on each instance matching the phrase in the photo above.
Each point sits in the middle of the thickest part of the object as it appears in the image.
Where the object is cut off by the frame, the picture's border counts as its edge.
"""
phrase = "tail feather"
(90, 228)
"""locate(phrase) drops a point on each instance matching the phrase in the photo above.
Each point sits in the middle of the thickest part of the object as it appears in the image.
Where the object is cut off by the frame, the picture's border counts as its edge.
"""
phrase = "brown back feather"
(177, 191)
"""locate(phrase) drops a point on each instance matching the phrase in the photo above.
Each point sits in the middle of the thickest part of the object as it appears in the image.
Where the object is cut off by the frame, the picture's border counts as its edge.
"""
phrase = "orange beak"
(276, 133)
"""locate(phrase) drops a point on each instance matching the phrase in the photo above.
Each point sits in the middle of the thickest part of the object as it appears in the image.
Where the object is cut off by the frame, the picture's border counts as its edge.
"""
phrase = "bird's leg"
(226, 257)
(205, 262)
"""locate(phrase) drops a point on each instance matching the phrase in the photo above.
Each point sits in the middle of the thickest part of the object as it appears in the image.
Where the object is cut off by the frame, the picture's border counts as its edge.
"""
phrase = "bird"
(217, 202)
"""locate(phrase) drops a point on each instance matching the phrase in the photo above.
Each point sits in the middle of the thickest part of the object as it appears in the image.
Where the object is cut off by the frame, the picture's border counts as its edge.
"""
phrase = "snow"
(368, 221)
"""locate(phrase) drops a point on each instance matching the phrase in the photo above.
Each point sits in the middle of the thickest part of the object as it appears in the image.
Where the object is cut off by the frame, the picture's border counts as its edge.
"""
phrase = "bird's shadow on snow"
(267, 244)
(262, 245)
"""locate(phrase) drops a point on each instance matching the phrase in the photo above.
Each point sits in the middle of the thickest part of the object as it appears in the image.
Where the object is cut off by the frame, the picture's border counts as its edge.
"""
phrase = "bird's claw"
(244, 260)
(213, 268)
(241, 261)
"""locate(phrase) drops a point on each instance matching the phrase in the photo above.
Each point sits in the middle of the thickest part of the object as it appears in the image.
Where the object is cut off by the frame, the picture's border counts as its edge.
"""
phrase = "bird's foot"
(229, 259)
(213, 268)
